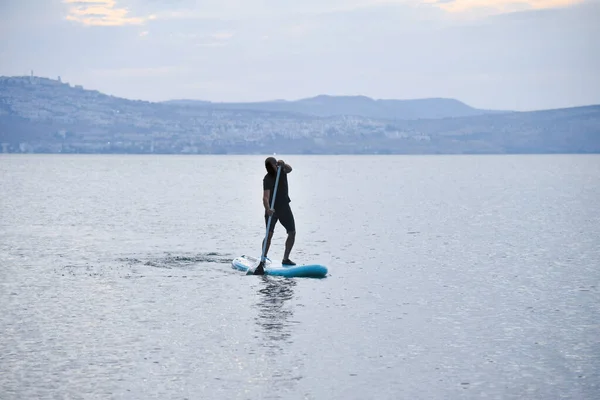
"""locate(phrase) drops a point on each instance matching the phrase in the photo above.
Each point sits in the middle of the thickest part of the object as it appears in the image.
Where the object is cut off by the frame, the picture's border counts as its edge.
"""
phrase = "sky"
(493, 54)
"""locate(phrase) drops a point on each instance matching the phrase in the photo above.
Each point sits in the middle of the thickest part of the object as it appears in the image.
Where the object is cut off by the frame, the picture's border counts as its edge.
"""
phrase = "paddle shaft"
(262, 256)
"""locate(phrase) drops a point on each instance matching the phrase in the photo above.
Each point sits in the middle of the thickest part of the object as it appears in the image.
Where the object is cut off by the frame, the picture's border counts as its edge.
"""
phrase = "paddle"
(260, 269)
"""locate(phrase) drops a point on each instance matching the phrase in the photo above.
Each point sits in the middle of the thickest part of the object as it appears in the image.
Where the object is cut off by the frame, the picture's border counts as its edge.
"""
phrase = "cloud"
(216, 39)
(119, 12)
(260, 49)
(101, 13)
(210, 44)
(143, 72)
(236, 10)
(500, 6)
(222, 35)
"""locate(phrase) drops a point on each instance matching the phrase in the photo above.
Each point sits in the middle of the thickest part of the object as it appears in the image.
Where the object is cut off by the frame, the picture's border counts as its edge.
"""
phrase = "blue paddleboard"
(249, 263)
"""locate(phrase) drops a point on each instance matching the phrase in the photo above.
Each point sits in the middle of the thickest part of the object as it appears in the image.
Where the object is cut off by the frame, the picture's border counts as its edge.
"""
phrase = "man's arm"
(266, 194)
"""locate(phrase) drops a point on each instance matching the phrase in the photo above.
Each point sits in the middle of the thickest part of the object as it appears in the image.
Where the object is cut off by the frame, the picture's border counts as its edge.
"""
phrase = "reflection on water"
(274, 318)
(273, 312)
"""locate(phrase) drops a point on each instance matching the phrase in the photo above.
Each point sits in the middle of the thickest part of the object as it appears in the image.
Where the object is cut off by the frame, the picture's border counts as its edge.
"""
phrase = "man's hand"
(285, 166)
(270, 212)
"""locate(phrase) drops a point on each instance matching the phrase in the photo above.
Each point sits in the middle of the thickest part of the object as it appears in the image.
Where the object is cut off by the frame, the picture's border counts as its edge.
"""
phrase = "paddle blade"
(260, 270)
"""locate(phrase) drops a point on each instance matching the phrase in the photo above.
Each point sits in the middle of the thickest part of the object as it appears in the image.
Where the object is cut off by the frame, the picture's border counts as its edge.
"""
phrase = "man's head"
(271, 165)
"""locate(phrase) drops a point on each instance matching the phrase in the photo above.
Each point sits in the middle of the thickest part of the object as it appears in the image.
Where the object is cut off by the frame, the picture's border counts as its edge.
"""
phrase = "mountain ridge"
(325, 105)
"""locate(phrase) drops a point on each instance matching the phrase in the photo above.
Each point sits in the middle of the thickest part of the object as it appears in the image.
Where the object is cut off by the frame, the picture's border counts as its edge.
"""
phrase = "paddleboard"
(249, 263)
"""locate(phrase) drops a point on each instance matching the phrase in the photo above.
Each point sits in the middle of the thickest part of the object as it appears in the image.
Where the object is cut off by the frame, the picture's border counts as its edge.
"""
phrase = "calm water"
(459, 277)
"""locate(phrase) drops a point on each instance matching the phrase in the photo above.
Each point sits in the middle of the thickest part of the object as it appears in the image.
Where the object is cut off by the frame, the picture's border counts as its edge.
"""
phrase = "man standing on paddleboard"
(281, 211)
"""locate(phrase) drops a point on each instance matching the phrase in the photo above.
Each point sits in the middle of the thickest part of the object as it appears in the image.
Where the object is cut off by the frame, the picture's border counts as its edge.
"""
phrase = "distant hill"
(40, 115)
(329, 106)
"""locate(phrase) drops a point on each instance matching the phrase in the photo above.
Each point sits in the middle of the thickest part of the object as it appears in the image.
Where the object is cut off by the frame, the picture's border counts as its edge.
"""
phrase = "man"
(281, 211)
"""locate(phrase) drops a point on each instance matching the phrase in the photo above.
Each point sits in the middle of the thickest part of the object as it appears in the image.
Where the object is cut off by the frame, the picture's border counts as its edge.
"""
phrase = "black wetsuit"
(283, 212)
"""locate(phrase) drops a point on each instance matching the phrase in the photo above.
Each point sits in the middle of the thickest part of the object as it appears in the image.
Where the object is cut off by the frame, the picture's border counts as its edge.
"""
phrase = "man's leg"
(287, 220)
(289, 243)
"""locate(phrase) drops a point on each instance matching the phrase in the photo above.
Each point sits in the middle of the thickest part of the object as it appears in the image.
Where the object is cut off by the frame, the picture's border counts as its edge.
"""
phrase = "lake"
(450, 277)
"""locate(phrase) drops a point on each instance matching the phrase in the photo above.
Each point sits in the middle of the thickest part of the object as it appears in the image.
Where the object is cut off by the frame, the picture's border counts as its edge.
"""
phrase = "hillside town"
(42, 115)
(88, 121)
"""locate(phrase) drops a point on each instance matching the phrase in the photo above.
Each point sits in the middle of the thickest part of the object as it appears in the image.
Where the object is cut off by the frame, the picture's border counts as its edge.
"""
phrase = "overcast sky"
(498, 54)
